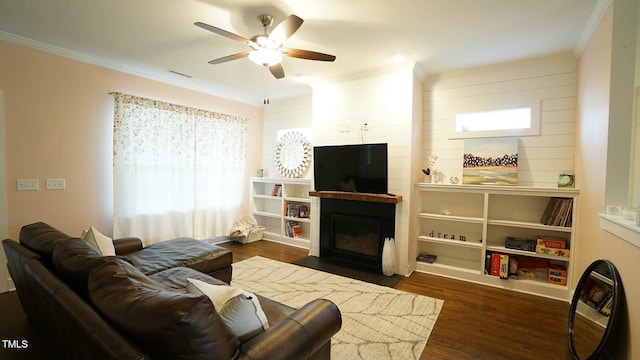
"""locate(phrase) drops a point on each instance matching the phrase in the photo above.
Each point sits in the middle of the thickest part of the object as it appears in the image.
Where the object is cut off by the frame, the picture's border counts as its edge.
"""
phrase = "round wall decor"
(293, 154)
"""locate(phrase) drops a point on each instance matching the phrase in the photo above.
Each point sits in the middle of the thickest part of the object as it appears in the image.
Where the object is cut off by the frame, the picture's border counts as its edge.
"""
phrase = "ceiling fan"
(266, 49)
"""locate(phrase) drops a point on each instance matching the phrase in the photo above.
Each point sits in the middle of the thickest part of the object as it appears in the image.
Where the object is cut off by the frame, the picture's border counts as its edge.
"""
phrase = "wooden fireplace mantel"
(368, 197)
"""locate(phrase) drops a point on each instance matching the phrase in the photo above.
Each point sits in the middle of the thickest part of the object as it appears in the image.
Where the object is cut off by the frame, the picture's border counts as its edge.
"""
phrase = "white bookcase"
(485, 216)
(271, 208)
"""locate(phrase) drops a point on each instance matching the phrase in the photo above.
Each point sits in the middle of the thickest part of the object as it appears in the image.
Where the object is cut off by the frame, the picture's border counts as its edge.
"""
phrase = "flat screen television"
(351, 168)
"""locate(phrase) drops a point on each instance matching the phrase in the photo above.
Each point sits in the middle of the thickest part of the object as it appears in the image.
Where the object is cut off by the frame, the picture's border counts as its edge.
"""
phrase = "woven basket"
(256, 231)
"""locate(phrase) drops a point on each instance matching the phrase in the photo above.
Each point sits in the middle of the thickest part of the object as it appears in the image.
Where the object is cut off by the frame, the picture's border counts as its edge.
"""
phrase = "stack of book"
(558, 212)
(293, 229)
(277, 190)
(297, 210)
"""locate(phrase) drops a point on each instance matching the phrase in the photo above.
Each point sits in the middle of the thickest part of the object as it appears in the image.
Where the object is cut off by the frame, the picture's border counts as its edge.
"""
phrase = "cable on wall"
(363, 128)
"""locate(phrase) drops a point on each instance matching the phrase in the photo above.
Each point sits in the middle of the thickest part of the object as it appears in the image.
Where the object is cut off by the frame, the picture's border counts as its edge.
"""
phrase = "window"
(516, 121)
(176, 169)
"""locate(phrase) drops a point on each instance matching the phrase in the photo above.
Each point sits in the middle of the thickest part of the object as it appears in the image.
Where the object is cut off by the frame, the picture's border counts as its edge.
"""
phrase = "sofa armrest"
(127, 245)
(298, 336)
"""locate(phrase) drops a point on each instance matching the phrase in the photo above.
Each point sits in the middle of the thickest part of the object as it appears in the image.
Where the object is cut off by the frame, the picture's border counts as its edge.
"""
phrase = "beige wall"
(591, 155)
(58, 124)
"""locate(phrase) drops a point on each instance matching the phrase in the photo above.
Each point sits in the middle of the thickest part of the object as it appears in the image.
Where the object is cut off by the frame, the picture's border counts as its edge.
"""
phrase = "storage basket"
(253, 230)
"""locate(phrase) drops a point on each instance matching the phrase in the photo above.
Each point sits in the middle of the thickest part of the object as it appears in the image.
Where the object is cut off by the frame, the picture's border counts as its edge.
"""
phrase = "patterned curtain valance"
(181, 109)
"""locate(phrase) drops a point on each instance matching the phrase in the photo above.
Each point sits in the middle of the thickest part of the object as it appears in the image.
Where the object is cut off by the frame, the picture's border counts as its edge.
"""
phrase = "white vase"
(389, 257)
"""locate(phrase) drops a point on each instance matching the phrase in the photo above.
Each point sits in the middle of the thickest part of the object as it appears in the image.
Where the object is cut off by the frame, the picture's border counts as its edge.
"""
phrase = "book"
(296, 230)
(504, 266)
(558, 212)
(495, 264)
(276, 190)
(487, 263)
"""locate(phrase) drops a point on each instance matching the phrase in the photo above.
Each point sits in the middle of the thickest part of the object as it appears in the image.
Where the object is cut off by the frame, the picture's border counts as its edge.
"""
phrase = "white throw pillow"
(240, 310)
(100, 242)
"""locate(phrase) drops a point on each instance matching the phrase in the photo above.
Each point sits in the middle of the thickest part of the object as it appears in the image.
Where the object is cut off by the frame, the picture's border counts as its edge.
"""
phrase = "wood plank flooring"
(476, 322)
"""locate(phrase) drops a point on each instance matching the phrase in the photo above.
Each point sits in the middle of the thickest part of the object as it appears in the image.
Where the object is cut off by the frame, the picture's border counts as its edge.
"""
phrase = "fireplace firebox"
(352, 232)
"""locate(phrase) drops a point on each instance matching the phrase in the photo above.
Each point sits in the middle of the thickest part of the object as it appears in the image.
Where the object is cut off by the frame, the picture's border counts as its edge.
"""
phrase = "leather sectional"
(134, 305)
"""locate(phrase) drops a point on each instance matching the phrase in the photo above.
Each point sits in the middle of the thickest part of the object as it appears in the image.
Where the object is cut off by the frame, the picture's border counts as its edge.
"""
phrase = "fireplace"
(352, 232)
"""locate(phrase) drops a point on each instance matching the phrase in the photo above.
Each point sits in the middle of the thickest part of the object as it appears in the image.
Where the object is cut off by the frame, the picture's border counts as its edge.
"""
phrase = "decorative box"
(557, 275)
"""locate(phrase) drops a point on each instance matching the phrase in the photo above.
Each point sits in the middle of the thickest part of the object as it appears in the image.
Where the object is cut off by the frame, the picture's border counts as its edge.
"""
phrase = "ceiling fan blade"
(229, 58)
(306, 54)
(285, 29)
(277, 71)
(224, 33)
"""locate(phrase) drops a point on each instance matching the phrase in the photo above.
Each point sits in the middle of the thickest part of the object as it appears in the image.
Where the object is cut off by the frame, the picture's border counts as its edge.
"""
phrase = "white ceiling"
(150, 37)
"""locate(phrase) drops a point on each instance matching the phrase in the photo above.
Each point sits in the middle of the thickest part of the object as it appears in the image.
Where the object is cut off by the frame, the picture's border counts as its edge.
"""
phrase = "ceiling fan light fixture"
(265, 57)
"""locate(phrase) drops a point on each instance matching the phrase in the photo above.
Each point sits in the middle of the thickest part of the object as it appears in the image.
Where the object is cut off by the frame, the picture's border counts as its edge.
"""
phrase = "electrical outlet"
(27, 185)
(55, 184)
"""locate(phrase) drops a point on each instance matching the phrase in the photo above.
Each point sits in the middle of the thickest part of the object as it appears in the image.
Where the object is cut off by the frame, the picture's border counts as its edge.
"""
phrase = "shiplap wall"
(549, 80)
(292, 113)
(386, 102)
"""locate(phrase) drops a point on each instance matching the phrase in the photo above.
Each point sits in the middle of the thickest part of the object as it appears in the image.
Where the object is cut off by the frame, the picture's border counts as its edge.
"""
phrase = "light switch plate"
(27, 185)
(55, 184)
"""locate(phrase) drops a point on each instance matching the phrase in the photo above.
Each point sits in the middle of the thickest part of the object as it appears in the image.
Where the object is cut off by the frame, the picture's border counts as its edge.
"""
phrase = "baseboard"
(299, 243)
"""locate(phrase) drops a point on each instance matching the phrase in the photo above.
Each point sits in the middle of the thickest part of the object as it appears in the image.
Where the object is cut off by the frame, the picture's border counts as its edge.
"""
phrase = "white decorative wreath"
(293, 154)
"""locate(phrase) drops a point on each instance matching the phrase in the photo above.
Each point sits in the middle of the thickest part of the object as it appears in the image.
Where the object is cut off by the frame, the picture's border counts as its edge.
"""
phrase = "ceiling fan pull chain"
(266, 85)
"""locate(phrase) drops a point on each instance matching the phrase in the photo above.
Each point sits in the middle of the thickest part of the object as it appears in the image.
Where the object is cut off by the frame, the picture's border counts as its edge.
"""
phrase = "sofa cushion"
(196, 254)
(167, 324)
(100, 242)
(42, 238)
(176, 278)
(240, 310)
(74, 259)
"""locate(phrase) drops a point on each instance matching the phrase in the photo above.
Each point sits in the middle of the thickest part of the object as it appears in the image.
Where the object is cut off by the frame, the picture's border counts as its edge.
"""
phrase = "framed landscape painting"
(490, 161)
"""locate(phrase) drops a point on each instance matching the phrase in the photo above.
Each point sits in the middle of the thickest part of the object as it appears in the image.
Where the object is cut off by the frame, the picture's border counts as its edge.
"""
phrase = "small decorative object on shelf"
(454, 180)
(431, 160)
(566, 181)
(426, 258)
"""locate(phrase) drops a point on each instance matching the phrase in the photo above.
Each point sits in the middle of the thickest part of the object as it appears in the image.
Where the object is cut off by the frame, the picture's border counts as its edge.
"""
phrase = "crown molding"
(164, 77)
(592, 24)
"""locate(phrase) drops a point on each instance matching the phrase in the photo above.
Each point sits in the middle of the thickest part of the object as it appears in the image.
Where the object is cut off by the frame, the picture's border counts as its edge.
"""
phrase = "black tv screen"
(351, 168)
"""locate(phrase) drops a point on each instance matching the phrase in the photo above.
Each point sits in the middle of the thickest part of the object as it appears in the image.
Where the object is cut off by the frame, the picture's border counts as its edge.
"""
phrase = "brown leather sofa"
(134, 305)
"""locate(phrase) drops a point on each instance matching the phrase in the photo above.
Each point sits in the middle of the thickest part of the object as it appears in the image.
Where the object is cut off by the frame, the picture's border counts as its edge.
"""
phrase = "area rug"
(378, 323)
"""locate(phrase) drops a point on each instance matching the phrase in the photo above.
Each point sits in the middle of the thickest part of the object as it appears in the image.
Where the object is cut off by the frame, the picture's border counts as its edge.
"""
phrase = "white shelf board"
(469, 219)
(450, 242)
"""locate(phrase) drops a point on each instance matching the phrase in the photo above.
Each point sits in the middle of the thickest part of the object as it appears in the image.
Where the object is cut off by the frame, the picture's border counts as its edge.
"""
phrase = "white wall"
(549, 80)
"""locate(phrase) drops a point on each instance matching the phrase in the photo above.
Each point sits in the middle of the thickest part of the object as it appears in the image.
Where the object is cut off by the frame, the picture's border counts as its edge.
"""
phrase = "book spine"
(504, 266)
(495, 264)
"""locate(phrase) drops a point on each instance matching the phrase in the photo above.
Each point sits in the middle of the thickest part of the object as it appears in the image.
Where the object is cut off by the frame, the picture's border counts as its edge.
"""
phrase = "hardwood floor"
(476, 321)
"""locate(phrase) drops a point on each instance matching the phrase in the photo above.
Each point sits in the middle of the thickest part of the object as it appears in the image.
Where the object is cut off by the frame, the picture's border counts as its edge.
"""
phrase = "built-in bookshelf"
(283, 207)
(463, 226)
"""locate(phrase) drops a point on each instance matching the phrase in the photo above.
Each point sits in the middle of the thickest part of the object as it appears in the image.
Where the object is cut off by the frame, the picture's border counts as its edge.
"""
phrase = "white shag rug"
(377, 322)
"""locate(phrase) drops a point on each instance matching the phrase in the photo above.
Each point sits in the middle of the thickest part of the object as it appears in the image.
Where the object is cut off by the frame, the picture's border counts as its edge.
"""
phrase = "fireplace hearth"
(352, 232)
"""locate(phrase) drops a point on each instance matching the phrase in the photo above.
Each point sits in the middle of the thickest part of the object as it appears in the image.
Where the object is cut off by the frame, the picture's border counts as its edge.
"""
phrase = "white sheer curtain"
(178, 171)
